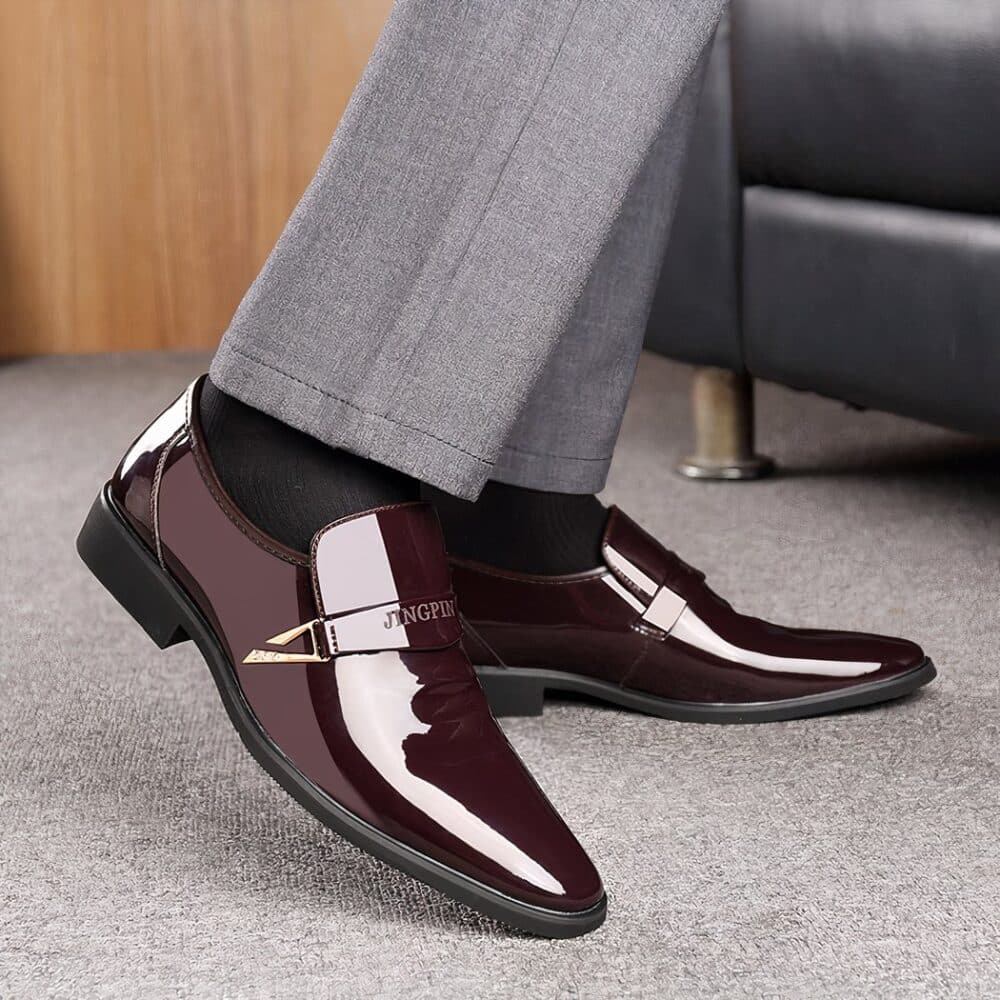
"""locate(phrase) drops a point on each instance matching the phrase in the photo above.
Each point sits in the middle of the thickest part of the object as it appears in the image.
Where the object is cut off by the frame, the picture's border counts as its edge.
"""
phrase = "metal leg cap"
(755, 467)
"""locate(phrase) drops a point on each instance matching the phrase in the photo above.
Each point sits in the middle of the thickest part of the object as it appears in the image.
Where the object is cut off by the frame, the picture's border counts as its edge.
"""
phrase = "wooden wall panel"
(151, 151)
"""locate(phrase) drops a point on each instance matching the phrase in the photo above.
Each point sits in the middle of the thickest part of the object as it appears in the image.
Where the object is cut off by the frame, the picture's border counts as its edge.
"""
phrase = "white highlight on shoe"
(629, 570)
(670, 613)
(376, 694)
(353, 566)
(692, 630)
(625, 595)
(665, 609)
(371, 628)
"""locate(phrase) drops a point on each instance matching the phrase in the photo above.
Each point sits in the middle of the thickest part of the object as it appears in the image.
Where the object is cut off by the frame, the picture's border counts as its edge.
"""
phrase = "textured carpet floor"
(143, 853)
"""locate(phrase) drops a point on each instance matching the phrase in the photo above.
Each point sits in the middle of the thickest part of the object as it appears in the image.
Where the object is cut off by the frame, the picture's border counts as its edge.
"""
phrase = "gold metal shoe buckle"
(312, 655)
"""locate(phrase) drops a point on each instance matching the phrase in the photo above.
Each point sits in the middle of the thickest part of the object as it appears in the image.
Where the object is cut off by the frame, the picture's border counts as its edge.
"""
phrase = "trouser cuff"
(344, 423)
(551, 473)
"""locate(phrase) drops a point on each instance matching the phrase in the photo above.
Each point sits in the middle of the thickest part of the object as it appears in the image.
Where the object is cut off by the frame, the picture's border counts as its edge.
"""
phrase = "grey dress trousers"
(462, 290)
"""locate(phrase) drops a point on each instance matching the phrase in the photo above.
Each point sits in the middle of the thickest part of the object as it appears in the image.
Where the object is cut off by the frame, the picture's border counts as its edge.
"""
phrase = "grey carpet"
(143, 854)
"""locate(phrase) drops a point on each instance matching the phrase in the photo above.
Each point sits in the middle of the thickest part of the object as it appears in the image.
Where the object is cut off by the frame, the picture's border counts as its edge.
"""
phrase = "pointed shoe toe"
(343, 672)
(645, 632)
(898, 656)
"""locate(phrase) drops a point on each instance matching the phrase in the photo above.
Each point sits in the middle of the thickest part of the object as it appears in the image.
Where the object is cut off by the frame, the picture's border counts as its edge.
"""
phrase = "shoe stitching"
(207, 477)
(154, 492)
(189, 404)
(627, 676)
(624, 580)
(221, 504)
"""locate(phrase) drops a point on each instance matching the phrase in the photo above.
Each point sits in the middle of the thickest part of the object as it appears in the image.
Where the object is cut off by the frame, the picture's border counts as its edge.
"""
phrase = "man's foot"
(528, 531)
(343, 673)
(645, 632)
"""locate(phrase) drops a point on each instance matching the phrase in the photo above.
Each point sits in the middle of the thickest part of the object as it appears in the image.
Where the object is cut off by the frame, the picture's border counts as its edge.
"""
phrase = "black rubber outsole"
(123, 563)
(521, 691)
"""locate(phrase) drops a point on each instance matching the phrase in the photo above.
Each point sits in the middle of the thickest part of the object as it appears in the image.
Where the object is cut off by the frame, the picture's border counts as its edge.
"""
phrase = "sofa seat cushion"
(888, 306)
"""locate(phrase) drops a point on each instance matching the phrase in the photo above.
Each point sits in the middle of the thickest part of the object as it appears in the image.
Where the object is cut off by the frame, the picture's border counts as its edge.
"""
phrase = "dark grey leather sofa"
(839, 226)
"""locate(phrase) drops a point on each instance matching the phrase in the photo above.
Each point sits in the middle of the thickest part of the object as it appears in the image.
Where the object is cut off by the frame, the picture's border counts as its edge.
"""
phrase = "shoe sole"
(521, 691)
(127, 569)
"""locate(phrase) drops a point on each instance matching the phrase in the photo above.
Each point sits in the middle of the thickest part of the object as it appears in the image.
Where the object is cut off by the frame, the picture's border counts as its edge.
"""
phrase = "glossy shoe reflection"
(645, 632)
(342, 671)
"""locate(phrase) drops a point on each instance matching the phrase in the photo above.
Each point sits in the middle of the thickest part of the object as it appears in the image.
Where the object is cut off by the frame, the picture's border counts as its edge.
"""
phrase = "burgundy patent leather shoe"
(343, 672)
(645, 632)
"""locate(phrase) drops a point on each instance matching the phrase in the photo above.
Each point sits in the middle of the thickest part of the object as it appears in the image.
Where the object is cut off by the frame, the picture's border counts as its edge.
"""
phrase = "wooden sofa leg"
(722, 406)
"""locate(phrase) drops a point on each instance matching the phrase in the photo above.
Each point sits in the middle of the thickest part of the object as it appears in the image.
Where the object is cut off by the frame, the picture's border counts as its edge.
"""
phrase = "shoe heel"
(129, 572)
(509, 693)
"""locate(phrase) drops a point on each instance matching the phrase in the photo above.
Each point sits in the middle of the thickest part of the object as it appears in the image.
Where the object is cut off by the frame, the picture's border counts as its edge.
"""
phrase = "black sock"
(527, 531)
(289, 484)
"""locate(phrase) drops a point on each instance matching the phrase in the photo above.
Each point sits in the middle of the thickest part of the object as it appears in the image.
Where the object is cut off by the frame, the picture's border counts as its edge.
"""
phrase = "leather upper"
(349, 658)
(648, 621)
(377, 589)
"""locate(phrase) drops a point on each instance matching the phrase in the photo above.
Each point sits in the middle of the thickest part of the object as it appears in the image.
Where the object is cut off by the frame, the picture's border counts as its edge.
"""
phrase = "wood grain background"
(150, 153)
